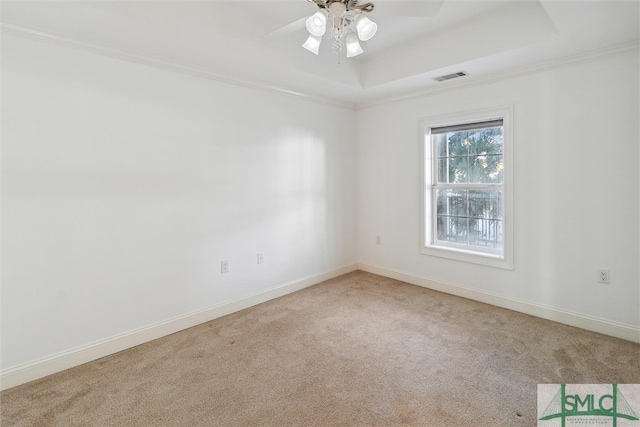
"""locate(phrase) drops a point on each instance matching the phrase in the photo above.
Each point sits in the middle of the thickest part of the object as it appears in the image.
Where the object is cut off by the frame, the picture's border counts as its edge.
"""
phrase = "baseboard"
(59, 362)
(606, 327)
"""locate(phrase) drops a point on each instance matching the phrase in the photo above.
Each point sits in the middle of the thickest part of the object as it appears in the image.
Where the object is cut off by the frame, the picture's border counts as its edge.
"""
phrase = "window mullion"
(468, 215)
(466, 143)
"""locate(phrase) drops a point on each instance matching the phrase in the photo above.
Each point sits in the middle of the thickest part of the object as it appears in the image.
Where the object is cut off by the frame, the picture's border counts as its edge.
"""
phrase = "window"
(467, 191)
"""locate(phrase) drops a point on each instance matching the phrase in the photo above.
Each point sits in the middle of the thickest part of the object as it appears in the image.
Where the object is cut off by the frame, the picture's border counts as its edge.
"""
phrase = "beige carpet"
(354, 351)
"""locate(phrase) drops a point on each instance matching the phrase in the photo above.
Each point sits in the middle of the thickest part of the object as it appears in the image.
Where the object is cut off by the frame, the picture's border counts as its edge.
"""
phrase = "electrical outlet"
(224, 267)
(378, 240)
(260, 259)
(604, 277)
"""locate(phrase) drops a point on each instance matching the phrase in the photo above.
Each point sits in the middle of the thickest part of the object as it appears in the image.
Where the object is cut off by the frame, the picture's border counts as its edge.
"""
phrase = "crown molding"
(566, 61)
(470, 81)
(130, 56)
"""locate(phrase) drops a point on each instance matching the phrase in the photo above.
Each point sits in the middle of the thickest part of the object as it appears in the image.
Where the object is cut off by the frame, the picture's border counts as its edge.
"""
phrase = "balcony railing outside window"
(470, 217)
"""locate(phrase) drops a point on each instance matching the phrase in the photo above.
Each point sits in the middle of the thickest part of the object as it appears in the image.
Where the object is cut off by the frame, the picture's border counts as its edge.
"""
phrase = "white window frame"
(428, 245)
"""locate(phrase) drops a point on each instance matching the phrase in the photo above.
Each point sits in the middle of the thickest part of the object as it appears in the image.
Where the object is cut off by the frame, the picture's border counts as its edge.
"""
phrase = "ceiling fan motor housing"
(347, 4)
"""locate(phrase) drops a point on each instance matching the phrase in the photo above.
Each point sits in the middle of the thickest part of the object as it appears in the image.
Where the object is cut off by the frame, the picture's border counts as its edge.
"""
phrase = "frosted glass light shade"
(317, 23)
(366, 28)
(312, 44)
(353, 45)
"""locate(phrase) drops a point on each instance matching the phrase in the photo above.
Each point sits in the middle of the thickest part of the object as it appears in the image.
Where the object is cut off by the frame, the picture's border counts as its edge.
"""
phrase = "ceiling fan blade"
(411, 8)
(287, 29)
(424, 8)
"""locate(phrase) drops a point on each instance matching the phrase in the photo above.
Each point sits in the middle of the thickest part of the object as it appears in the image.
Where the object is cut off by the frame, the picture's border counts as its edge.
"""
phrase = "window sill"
(490, 260)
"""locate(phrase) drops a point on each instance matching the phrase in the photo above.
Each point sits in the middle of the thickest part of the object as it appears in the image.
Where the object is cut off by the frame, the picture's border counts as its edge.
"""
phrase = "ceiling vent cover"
(450, 76)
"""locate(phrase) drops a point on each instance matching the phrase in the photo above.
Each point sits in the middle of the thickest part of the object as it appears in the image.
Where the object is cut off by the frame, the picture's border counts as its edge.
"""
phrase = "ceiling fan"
(343, 15)
(347, 23)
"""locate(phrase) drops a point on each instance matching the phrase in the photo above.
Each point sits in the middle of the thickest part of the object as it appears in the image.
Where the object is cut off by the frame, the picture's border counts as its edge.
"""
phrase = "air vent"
(450, 76)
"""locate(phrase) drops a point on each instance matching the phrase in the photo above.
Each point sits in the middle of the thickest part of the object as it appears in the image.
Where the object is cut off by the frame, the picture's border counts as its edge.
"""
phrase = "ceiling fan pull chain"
(337, 46)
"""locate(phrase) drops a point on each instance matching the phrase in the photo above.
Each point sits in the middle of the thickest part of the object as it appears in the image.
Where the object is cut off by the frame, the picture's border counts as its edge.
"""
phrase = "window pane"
(458, 170)
(441, 144)
(470, 217)
(486, 141)
(485, 169)
(442, 171)
(452, 221)
(453, 170)
(452, 229)
(452, 203)
(485, 218)
(458, 143)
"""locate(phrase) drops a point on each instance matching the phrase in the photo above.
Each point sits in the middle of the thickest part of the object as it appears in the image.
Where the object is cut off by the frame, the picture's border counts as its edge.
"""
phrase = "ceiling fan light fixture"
(353, 45)
(313, 44)
(366, 28)
(317, 23)
(345, 23)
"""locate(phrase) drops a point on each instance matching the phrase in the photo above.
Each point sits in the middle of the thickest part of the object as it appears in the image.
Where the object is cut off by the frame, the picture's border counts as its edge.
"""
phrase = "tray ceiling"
(259, 41)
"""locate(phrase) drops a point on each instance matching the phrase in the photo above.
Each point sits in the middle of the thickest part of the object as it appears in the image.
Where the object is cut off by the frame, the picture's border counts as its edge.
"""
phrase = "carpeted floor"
(356, 350)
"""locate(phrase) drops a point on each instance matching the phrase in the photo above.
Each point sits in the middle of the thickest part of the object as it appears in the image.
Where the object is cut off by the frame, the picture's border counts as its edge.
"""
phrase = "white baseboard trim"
(59, 362)
(594, 324)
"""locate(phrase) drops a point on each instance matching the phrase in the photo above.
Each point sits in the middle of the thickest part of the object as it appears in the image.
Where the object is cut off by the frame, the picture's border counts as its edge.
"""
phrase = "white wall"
(124, 186)
(576, 143)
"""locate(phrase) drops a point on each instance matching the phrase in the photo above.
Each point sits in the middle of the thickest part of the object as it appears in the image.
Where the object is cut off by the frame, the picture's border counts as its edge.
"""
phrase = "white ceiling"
(236, 39)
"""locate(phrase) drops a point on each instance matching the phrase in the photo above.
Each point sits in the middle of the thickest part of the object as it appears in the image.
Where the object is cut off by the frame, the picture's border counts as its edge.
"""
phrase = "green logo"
(613, 405)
